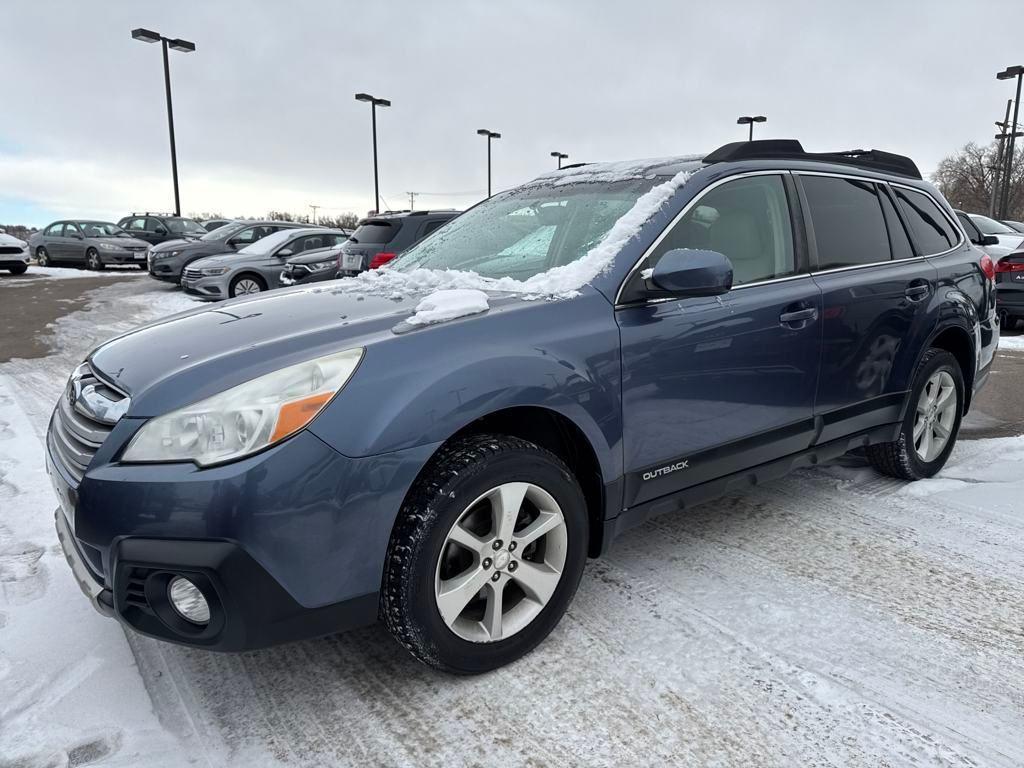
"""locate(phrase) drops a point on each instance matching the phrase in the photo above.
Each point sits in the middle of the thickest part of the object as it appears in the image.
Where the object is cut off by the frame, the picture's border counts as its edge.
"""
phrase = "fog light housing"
(188, 601)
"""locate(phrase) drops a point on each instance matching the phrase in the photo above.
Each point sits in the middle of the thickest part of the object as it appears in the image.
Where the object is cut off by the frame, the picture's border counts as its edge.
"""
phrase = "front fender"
(424, 386)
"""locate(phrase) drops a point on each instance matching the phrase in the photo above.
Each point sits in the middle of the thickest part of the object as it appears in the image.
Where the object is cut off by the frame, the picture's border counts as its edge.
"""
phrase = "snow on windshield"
(607, 173)
(270, 242)
(557, 283)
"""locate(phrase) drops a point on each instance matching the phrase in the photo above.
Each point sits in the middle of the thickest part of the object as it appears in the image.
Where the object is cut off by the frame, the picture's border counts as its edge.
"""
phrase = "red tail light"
(1005, 265)
(988, 267)
(381, 259)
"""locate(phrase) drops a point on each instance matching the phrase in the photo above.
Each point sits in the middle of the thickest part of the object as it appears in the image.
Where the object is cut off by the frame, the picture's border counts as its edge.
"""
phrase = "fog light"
(188, 601)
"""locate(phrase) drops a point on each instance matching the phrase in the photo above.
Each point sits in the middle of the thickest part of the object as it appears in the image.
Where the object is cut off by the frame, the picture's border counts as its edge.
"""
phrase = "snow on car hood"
(8, 240)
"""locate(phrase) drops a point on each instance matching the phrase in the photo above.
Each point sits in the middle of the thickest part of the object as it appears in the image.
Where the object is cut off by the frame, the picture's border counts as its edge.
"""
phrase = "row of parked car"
(223, 258)
(1003, 241)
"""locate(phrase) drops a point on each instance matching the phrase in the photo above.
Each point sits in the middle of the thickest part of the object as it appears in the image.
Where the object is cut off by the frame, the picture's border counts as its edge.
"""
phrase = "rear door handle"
(798, 316)
(917, 291)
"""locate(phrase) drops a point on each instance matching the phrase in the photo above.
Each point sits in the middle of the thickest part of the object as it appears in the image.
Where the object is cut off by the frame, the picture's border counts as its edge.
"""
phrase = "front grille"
(84, 416)
(135, 589)
(192, 274)
(299, 271)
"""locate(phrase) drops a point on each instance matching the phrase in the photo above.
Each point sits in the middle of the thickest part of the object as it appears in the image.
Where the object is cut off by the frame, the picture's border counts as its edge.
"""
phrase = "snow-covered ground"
(835, 617)
(69, 273)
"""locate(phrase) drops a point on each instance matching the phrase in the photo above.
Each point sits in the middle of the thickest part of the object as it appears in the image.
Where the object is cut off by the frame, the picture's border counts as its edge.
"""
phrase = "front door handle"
(798, 317)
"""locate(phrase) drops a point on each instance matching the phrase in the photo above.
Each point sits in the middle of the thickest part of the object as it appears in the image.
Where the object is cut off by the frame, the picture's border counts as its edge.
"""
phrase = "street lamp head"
(364, 97)
(182, 45)
(560, 155)
(760, 119)
(489, 134)
(748, 119)
(373, 100)
(382, 102)
(146, 35)
(483, 132)
(1010, 72)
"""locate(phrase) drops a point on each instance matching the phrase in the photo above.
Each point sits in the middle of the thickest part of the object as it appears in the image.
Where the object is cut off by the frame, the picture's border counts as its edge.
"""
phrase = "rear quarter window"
(847, 219)
(932, 231)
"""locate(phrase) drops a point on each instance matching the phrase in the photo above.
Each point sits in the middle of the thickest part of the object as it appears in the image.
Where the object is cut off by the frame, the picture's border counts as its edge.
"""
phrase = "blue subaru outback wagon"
(442, 444)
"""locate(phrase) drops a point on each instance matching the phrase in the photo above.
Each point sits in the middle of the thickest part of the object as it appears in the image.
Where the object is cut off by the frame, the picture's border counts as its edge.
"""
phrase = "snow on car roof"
(622, 170)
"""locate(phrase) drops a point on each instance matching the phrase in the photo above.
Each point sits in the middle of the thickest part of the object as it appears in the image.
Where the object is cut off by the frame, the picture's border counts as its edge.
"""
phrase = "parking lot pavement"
(834, 617)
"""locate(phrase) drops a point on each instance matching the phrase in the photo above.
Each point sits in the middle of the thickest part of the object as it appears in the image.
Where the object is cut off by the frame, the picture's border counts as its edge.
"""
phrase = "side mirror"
(284, 253)
(232, 243)
(160, 231)
(685, 272)
(76, 235)
(989, 240)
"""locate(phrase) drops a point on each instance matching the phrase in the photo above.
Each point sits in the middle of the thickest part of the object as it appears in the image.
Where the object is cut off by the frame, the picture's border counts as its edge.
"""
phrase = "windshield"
(101, 229)
(991, 226)
(222, 233)
(269, 243)
(185, 226)
(528, 230)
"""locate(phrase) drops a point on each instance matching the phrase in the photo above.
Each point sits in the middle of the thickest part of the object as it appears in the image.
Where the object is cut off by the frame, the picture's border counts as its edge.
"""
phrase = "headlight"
(211, 271)
(110, 247)
(246, 418)
(322, 265)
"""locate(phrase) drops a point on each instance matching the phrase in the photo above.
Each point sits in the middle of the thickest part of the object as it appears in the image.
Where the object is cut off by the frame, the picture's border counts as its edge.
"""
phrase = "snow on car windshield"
(265, 245)
(545, 239)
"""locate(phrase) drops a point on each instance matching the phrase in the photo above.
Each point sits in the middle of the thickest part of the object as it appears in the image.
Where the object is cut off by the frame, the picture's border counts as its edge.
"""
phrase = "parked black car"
(156, 228)
(378, 239)
(1009, 271)
(167, 261)
(313, 266)
(212, 224)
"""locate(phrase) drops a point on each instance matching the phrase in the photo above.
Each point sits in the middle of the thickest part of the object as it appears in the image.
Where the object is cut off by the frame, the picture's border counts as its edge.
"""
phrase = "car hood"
(316, 257)
(187, 357)
(6, 239)
(222, 260)
(122, 242)
(180, 244)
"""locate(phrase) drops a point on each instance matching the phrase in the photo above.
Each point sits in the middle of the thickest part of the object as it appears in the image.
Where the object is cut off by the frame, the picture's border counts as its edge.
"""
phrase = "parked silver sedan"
(256, 267)
(94, 243)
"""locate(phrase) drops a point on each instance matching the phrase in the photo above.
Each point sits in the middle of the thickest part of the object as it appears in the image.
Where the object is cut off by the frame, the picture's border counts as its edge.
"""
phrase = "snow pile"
(558, 283)
(70, 272)
(611, 172)
(1013, 343)
(441, 306)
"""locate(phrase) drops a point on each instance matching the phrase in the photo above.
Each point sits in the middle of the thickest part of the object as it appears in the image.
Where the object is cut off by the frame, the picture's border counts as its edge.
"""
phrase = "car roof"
(389, 215)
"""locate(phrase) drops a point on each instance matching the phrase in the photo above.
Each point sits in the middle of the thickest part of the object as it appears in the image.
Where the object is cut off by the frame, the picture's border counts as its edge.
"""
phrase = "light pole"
(1007, 74)
(490, 135)
(750, 120)
(561, 156)
(149, 36)
(374, 103)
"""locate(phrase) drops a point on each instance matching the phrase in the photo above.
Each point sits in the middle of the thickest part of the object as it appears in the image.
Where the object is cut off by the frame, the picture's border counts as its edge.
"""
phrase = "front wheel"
(93, 260)
(930, 427)
(244, 285)
(486, 554)
(18, 269)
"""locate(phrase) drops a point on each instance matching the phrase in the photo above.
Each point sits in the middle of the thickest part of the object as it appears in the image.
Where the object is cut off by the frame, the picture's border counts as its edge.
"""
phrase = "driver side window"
(748, 221)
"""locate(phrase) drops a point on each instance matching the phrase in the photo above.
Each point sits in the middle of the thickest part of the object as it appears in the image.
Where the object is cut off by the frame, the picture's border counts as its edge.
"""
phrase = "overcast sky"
(265, 115)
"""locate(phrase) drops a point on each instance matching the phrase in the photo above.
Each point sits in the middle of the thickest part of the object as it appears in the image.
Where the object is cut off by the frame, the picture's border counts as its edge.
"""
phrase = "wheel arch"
(248, 273)
(958, 342)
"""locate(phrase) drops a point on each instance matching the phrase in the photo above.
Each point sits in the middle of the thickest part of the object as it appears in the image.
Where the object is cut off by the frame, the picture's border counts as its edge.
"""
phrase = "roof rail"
(791, 149)
(153, 213)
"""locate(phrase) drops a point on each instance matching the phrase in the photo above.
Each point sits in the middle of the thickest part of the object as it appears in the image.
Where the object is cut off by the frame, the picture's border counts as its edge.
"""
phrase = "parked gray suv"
(168, 260)
(257, 267)
(93, 243)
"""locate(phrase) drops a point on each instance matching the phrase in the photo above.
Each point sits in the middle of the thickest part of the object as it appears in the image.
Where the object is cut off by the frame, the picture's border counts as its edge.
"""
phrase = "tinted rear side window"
(898, 238)
(932, 231)
(846, 215)
(374, 232)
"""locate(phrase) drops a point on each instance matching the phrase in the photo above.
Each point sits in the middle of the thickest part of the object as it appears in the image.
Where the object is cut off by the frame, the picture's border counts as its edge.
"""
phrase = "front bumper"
(123, 257)
(287, 544)
(212, 288)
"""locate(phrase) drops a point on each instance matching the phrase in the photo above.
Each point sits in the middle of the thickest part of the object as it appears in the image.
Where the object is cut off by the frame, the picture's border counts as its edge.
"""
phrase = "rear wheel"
(243, 285)
(486, 554)
(93, 260)
(930, 427)
(43, 257)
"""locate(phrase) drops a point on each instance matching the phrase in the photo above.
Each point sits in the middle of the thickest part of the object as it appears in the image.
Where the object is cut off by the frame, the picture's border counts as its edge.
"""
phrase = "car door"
(155, 231)
(53, 239)
(875, 292)
(136, 227)
(714, 385)
(73, 243)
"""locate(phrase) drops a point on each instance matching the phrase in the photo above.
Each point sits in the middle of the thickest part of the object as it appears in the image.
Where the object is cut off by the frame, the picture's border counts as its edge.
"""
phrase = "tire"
(240, 283)
(455, 488)
(903, 458)
(18, 269)
(43, 257)
(93, 260)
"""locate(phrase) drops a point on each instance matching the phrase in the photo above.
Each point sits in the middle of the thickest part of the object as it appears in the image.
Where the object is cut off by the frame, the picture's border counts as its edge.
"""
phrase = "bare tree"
(968, 177)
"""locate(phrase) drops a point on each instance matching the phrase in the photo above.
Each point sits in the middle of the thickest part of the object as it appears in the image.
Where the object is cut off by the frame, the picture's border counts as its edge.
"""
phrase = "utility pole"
(412, 200)
(315, 208)
(1008, 74)
(998, 177)
(374, 103)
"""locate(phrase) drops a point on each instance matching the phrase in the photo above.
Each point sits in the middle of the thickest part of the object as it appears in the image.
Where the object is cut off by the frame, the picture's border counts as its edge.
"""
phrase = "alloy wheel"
(42, 257)
(247, 285)
(935, 416)
(501, 562)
